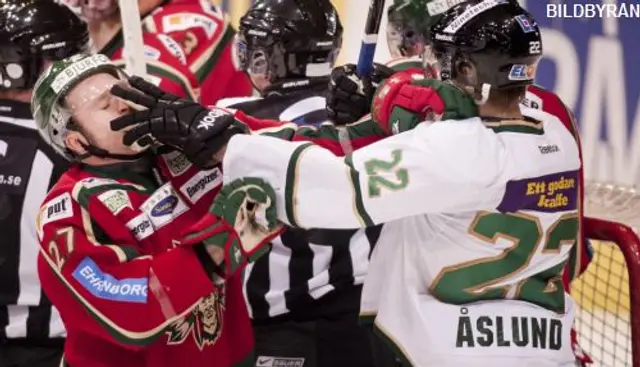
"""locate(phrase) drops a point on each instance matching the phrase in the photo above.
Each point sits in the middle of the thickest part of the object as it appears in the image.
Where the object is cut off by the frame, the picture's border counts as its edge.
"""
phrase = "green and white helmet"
(51, 116)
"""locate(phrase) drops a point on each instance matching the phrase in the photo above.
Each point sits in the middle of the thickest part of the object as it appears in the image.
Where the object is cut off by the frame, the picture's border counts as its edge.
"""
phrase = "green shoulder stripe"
(202, 71)
(291, 182)
(515, 126)
(365, 219)
(404, 63)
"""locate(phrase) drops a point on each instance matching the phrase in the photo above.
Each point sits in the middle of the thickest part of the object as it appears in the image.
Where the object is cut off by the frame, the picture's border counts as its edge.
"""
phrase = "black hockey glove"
(197, 131)
(349, 97)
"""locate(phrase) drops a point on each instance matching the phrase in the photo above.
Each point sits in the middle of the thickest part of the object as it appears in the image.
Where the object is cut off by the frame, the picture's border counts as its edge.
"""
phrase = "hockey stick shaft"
(370, 38)
(132, 34)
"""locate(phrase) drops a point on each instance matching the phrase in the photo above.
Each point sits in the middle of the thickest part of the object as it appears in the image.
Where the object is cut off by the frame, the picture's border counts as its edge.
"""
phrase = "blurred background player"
(32, 34)
(166, 61)
(304, 296)
(201, 30)
(287, 49)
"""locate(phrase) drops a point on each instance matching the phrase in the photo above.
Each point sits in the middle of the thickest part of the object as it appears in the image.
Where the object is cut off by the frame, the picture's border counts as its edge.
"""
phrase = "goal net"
(605, 292)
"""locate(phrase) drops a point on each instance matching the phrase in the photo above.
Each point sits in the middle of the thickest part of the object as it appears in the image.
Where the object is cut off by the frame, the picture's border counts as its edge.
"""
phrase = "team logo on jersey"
(204, 323)
(176, 162)
(56, 209)
(202, 183)
(140, 227)
(525, 23)
(520, 72)
(163, 206)
(115, 200)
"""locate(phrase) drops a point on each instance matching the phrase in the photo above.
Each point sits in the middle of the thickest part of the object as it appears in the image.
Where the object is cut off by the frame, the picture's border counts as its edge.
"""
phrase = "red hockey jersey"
(166, 63)
(206, 37)
(129, 295)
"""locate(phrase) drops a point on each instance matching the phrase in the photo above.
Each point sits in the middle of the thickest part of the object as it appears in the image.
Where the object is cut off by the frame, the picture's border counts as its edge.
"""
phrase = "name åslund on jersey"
(498, 331)
(548, 193)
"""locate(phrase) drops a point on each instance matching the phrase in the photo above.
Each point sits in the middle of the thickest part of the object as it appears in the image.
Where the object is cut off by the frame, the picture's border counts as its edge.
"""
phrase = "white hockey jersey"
(480, 219)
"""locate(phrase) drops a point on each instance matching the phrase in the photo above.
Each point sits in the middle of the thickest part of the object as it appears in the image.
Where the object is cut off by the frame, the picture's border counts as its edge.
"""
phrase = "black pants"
(327, 342)
(25, 355)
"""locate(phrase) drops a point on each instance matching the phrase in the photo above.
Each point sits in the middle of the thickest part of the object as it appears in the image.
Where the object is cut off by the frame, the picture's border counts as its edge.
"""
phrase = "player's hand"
(407, 99)
(349, 97)
(247, 209)
(197, 131)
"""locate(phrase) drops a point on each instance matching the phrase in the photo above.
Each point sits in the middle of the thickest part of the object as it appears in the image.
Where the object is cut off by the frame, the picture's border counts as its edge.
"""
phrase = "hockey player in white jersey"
(481, 213)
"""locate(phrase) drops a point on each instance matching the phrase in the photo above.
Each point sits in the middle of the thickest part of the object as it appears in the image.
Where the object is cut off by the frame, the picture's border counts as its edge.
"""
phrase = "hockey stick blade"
(370, 38)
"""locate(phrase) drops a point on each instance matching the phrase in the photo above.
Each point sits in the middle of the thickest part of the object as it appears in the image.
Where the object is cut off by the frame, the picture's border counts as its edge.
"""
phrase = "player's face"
(93, 107)
(403, 42)
(94, 10)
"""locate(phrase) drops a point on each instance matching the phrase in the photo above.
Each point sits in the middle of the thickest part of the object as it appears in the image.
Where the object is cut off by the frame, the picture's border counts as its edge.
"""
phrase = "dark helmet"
(497, 39)
(32, 31)
(287, 40)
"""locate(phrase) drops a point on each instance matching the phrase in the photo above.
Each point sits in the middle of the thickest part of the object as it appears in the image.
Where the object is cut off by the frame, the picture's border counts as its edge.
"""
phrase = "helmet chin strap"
(95, 151)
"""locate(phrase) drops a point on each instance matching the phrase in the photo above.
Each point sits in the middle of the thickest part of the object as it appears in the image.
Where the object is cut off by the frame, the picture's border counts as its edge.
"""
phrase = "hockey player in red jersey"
(165, 59)
(202, 31)
(144, 271)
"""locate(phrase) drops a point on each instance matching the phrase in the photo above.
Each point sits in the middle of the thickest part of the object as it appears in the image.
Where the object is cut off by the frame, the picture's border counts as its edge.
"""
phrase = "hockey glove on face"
(407, 99)
(197, 131)
(247, 208)
(349, 97)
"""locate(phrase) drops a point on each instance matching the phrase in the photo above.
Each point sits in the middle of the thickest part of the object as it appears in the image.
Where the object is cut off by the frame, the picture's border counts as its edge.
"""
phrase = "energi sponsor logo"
(140, 226)
(200, 184)
(105, 286)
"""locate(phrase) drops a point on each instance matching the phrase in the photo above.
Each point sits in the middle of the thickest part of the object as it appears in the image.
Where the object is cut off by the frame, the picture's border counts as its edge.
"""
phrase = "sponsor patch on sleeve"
(55, 209)
(200, 184)
(140, 227)
(163, 206)
(176, 162)
(115, 200)
(105, 286)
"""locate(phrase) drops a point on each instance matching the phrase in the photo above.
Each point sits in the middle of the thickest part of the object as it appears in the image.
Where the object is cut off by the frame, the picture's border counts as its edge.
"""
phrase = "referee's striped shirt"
(307, 273)
(28, 168)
